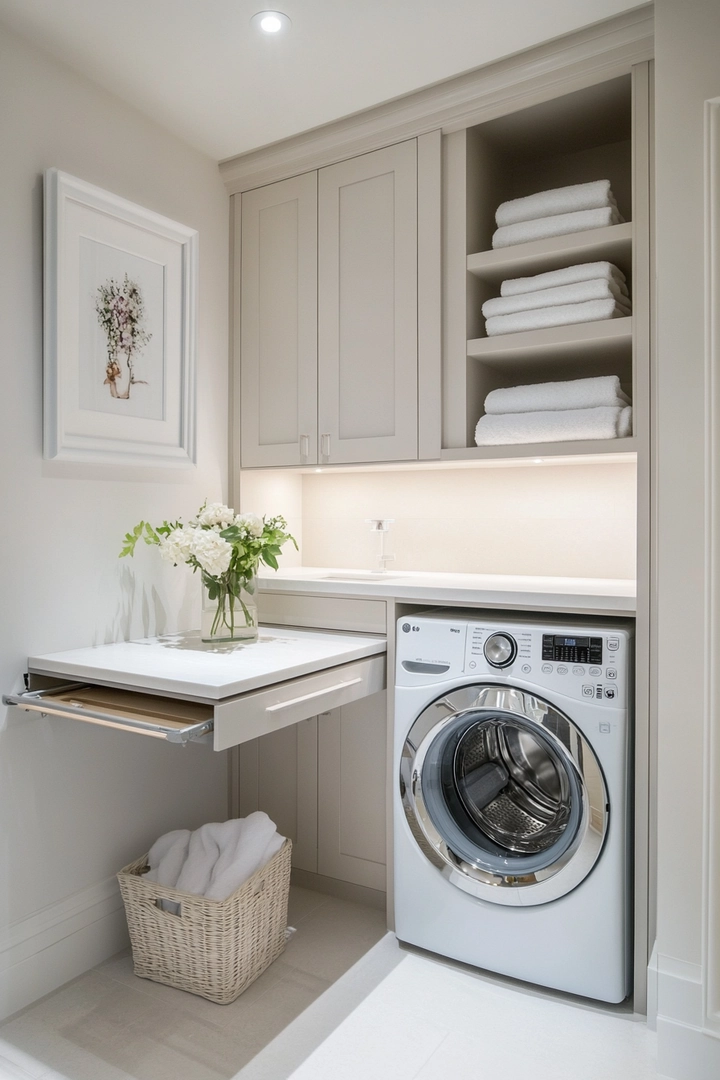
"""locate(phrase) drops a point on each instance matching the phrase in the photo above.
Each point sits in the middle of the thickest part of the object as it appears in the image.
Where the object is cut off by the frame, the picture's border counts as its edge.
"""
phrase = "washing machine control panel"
(579, 662)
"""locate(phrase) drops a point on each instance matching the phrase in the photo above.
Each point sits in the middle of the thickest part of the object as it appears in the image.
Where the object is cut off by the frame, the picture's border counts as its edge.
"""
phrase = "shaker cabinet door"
(367, 307)
(278, 323)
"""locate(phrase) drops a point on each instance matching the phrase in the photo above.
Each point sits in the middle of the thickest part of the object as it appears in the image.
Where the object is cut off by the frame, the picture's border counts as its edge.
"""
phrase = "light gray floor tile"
(330, 940)
(302, 903)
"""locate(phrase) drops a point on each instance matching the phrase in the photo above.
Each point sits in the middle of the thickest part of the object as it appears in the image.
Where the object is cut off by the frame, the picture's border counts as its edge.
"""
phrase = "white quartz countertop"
(607, 596)
(182, 665)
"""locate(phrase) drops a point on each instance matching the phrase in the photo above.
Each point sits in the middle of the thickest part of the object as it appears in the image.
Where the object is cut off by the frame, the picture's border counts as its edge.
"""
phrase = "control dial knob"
(500, 650)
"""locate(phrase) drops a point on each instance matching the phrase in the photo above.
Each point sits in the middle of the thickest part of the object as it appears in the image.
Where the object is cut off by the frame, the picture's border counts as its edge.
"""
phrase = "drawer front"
(323, 612)
(251, 715)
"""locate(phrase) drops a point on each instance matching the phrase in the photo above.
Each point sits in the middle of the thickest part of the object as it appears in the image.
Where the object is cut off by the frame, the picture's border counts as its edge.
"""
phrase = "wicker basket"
(214, 948)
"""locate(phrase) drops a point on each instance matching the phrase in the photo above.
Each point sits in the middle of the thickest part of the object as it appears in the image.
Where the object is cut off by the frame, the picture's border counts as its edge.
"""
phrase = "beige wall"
(78, 802)
(571, 520)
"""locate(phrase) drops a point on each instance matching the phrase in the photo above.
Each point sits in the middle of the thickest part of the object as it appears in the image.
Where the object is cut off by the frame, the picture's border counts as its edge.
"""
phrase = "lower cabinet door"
(352, 809)
(278, 774)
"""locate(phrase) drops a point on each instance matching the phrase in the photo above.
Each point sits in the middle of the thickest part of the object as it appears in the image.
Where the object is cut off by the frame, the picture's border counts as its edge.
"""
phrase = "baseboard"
(686, 1053)
(344, 890)
(40, 953)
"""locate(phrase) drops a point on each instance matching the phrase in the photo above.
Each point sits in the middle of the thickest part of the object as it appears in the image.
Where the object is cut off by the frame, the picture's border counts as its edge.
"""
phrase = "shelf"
(621, 450)
(608, 336)
(613, 243)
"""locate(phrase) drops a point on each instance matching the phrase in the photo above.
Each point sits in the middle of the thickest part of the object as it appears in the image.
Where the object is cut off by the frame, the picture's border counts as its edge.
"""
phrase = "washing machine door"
(503, 792)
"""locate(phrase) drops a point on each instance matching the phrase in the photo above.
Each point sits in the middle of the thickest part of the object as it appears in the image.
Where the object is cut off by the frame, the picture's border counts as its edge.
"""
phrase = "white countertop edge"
(578, 595)
(106, 674)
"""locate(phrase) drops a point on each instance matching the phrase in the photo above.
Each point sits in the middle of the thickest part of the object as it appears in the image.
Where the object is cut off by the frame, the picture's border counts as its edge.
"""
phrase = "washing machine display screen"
(576, 650)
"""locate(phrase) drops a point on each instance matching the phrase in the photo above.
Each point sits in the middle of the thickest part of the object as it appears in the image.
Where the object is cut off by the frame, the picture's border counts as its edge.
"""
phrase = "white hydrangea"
(251, 522)
(216, 514)
(211, 551)
(176, 547)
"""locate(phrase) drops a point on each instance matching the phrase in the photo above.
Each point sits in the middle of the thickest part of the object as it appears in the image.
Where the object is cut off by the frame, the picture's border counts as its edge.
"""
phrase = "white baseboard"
(686, 1050)
(686, 1053)
(45, 950)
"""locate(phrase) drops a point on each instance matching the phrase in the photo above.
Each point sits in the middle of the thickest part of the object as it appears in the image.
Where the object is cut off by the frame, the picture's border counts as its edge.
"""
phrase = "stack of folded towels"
(217, 858)
(556, 213)
(575, 294)
(577, 409)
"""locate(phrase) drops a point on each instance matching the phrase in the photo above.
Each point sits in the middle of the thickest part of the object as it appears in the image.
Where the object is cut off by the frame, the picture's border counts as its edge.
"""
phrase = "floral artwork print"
(120, 310)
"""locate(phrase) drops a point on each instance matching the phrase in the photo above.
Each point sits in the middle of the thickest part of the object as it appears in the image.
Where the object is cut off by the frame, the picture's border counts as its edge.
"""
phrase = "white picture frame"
(120, 297)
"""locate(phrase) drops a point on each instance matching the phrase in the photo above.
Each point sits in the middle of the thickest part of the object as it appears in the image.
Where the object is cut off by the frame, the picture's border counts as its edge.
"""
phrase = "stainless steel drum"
(506, 794)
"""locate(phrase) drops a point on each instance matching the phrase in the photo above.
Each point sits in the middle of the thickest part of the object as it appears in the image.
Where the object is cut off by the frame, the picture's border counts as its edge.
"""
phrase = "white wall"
(564, 520)
(687, 74)
(76, 803)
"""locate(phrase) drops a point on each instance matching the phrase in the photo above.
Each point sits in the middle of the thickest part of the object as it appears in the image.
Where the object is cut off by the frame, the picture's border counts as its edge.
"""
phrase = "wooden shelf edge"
(575, 335)
(538, 255)
(624, 449)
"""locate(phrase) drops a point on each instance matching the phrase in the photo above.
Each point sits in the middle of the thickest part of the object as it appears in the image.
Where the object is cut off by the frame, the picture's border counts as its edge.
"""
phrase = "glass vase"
(229, 613)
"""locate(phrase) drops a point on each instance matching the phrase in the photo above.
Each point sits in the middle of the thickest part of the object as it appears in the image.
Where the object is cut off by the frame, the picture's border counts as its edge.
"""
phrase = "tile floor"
(343, 1002)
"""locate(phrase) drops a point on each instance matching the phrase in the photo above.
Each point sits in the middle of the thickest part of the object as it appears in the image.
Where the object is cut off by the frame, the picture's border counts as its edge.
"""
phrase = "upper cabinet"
(327, 305)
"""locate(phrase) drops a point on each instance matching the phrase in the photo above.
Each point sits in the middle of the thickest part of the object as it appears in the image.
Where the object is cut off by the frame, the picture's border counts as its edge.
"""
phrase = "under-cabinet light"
(270, 22)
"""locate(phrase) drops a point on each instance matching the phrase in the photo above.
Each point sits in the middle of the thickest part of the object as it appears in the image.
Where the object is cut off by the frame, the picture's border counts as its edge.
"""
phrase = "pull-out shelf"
(85, 686)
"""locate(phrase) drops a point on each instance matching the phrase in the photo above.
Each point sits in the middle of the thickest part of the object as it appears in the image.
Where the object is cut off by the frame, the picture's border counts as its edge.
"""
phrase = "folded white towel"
(253, 846)
(577, 293)
(568, 275)
(166, 857)
(538, 318)
(563, 200)
(204, 849)
(604, 390)
(556, 426)
(557, 225)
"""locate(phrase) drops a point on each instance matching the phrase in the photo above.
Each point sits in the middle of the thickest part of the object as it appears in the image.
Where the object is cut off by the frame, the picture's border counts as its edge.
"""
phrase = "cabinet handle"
(304, 445)
(315, 693)
(325, 445)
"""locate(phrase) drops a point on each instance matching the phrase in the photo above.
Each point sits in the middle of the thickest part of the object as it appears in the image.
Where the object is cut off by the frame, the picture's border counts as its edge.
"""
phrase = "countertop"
(606, 596)
(182, 665)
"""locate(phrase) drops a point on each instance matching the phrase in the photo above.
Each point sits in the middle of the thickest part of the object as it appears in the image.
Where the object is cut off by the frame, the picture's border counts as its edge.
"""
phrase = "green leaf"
(270, 559)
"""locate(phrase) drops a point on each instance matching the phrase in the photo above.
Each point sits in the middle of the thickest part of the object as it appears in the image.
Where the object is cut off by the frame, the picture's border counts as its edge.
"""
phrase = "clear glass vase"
(229, 610)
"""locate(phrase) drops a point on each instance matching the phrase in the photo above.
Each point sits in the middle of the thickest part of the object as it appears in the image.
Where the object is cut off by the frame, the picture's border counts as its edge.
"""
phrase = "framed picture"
(119, 329)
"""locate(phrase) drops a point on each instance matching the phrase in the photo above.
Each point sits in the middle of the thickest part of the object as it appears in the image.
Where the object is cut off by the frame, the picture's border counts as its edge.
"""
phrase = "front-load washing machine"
(512, 795)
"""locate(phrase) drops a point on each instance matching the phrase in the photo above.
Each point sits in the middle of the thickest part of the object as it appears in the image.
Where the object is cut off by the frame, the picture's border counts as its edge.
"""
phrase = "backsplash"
(569, 520)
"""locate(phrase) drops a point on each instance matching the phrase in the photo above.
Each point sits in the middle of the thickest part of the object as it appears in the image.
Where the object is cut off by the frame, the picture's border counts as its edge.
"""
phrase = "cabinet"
(323, 782)
(327, 305)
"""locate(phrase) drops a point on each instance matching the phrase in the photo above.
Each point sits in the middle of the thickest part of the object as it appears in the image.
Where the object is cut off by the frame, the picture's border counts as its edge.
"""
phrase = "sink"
(357, 577)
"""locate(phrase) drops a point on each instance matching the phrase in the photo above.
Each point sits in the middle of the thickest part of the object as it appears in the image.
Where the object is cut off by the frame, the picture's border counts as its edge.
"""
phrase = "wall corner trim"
(58, 943)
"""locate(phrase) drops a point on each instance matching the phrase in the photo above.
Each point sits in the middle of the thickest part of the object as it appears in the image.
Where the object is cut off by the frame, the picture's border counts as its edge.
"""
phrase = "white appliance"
(512, 795)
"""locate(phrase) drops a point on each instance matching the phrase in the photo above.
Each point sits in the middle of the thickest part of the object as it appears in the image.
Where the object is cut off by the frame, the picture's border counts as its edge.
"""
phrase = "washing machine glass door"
(502, 788)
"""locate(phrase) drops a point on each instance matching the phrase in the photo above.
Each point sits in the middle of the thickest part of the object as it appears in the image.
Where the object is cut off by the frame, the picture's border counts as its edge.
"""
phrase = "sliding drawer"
(142, 714)
(240, 719)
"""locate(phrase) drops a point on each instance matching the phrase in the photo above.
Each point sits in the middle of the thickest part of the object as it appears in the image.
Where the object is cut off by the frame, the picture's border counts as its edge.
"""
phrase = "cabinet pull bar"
(325, 445)
(315, 693)
(304, 445)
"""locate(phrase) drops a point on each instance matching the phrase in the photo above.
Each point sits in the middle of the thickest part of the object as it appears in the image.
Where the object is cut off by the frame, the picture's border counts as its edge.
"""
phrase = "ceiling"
(198, 67)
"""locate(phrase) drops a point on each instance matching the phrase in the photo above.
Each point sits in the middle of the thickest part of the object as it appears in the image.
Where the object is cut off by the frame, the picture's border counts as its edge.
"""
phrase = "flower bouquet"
(227, 549)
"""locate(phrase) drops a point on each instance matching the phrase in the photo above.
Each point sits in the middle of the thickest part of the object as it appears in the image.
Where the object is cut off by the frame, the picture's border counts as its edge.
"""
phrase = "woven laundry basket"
(214, 948)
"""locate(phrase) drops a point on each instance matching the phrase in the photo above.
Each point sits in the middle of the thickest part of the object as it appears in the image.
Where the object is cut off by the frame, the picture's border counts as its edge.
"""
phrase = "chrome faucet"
(381, 526)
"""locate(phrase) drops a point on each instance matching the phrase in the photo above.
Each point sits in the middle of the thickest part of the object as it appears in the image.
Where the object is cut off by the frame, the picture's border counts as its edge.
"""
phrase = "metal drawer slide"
(142, 714)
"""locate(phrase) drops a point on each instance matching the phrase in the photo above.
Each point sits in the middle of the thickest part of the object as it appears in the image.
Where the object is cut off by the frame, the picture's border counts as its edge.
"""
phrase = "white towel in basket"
(166, 857)
(256, 843)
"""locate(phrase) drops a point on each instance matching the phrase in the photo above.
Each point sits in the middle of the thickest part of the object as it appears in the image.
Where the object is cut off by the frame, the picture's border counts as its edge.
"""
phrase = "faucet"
(381, 526)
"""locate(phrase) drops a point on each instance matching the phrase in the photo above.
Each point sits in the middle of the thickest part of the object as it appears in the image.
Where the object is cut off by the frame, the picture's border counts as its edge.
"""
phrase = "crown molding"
(568, 63)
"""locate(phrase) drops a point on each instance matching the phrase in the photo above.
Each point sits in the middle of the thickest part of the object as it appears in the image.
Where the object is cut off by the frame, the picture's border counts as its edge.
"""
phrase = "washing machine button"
(610, 692)
(588, 691)
(611, 673)
(595, 671)
(604, 729)
(547, 669)
(613, 644)
(526, 669)
(577, 670)
(562, 670)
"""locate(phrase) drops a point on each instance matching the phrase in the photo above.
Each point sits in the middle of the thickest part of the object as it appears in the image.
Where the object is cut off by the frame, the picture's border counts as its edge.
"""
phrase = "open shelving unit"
(582, 136)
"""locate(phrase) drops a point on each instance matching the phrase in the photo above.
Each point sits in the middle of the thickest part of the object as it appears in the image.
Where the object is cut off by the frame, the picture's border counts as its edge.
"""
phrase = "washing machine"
(512, 807)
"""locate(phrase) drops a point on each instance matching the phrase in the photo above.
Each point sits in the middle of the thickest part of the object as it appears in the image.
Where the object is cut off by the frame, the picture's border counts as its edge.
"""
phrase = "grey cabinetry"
(327, 306)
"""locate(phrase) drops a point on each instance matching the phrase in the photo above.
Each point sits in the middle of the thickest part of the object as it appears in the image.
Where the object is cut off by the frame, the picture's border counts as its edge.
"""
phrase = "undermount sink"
(369, 576)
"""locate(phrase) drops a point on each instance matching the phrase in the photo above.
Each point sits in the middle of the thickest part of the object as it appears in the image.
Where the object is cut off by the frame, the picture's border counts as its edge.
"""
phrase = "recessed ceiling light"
(270, 22)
